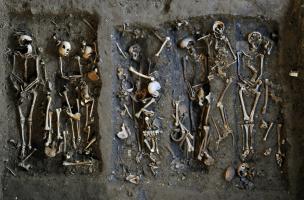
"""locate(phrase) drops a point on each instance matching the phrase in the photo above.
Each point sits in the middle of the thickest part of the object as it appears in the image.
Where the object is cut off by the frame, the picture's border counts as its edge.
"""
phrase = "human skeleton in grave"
(219, 51)
(25, 84)
(150, 131)
(220, 57)
(259, 46)
(76, 94)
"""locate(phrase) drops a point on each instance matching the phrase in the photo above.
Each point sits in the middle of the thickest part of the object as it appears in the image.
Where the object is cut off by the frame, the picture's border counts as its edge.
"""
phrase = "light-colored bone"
(50, 131)
(90, 143)
(188, 137)
(58, 111)
(261, 66)
(251, 137)
(78, 122)
(22, 121)
(245, 115)
(162, 46)
(137, 115)
(67, 163)
(30, 119)
(221, 107)
(251, 118)
(22, 163)
(47, 127)
(87, 116)
(203, 146)
(176, 104)
(88, 130)
(230, 48)
(65, 133)
(73, 134)
(79, 65)
(246, 128)
(267, 132)
(65, 93)
(266, 96)
(131, 69)
(124, 133)
(220, 138)
(61, 68)
(121, 51)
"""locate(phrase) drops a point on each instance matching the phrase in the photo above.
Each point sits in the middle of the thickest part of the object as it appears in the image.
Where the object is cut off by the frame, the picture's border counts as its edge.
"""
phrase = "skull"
(25, 40)
(87, 52)
(134, 51)
(254, 39)
(64, 48)
(218, 28)
(153, 88)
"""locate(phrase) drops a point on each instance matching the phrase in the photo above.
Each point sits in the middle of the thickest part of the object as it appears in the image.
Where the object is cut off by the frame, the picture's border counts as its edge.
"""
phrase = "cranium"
(87, 52)
(134, 51)
(218, 27)
(64, 48)
(254, 39)
(153, 88)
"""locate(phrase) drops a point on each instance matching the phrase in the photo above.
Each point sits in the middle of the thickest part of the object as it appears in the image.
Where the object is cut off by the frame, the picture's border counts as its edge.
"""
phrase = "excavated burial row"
(76, 27)
(170, 75)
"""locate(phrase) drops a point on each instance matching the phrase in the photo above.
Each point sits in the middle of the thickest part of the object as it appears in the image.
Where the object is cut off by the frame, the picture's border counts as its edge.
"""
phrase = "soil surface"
(178, 175)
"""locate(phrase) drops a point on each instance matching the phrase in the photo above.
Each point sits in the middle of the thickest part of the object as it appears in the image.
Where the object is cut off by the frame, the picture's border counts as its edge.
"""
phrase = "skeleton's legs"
(22, 121)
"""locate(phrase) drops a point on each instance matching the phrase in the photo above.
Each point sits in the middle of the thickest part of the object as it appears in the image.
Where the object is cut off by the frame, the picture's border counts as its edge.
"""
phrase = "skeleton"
(258, 48)
(163, 46)
(25, 51)
(220, 43)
